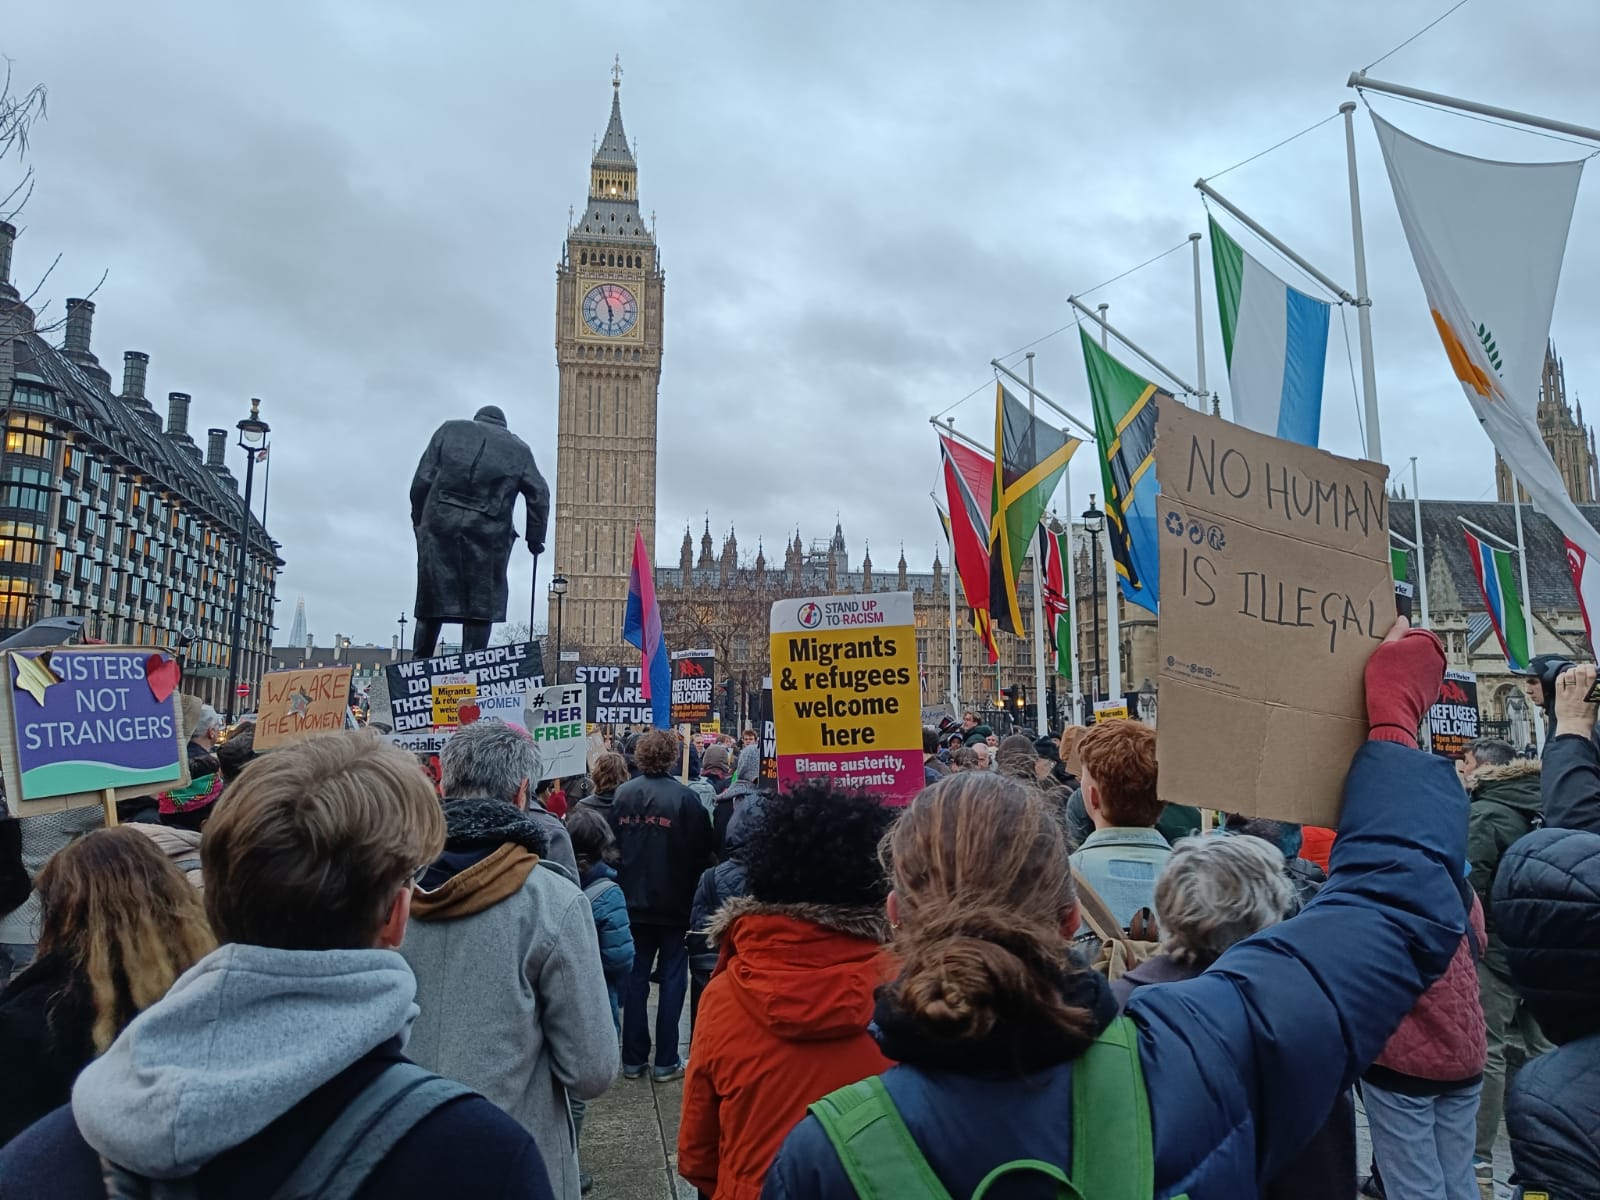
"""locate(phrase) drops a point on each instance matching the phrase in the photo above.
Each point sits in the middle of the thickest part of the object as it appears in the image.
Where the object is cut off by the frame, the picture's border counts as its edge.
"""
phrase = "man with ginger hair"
(1123, 857)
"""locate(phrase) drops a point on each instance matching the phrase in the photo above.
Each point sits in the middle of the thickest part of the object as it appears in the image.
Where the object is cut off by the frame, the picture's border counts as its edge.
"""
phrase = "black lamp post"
(558, 593)
(252, 440)
(403, 624)
(1094, 521)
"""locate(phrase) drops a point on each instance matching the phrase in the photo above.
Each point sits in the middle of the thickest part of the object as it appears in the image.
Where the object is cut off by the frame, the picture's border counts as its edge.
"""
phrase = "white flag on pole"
(1488, 239)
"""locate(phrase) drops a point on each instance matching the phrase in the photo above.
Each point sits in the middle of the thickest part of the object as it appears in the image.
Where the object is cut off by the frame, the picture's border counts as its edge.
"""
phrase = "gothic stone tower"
(1571, 442)
(608, 350)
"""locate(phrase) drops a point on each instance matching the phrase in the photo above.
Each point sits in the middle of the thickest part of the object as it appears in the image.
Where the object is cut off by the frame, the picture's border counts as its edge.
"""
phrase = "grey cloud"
(353, 210)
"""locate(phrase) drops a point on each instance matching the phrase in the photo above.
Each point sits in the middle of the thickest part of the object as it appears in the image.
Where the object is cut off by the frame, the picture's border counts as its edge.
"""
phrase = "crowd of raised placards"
(317, 971)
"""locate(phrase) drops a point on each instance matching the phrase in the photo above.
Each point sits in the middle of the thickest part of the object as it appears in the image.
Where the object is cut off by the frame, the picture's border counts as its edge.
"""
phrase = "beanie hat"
(716, 759)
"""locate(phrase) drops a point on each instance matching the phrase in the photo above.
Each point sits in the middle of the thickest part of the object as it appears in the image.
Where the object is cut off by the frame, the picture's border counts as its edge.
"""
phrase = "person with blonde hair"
(275, 1064)
(119, 924)
(1012, 1059)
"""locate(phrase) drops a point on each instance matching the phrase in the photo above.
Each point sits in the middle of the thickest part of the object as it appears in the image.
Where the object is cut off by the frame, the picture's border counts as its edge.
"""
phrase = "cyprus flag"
(1488, 239)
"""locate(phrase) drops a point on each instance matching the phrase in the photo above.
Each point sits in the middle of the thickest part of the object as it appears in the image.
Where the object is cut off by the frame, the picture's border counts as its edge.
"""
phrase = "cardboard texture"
(553, 717)
(1275, 588)
(297, 704)
(101, 720)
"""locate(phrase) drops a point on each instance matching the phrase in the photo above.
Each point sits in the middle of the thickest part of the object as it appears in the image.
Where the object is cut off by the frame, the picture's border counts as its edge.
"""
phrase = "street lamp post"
(558, 593)
(252, 440)
(403, 631)
(1093, 522)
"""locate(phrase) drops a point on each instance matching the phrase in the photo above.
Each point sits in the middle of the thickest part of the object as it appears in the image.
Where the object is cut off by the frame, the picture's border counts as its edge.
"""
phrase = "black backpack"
(348, 1151)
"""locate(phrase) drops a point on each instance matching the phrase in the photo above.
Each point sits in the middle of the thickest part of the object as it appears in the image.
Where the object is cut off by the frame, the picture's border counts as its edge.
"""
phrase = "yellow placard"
(448, 699)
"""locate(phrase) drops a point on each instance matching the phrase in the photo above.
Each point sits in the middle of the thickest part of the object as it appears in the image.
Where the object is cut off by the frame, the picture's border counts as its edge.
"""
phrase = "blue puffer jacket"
(1547, 910)
(611, 923)
(1243, 1063)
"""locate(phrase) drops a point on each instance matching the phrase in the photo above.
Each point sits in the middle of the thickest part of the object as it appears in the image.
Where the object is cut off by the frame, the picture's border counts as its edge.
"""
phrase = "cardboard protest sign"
(846, 694)
(615, 695)
(1110, 710)
(1453, 721)
(79, 722)
(1275, 588)
(693, 681)
(553, 717)
(297, 704)
(423, 691)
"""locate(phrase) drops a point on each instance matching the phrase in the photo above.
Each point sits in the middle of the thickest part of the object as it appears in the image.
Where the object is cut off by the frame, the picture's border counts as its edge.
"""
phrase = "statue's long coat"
(462, 499)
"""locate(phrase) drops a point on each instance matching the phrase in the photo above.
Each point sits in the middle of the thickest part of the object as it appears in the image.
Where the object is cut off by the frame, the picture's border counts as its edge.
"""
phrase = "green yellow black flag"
(1028, 461)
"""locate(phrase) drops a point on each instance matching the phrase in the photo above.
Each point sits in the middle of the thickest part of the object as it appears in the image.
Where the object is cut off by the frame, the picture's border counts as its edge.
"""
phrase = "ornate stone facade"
(1571, 442)
(609, 287)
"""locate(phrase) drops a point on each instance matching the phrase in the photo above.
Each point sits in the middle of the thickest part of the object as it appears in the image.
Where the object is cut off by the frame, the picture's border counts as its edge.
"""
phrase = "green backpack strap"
(1113, 1153)
(874, 1146)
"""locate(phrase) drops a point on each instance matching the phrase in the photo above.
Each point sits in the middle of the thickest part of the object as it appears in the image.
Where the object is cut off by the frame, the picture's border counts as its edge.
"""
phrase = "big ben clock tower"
(608, 351)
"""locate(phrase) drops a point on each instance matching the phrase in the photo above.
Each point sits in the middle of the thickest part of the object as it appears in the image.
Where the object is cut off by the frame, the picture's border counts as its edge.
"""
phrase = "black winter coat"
(1570, 783)
(1547, 909)
(462, 499)
(42, 1049)
(467, 1146)
(663, 843)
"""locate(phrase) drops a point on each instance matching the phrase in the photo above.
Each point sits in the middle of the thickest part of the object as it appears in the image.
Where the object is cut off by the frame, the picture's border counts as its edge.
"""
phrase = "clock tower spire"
(609, 287)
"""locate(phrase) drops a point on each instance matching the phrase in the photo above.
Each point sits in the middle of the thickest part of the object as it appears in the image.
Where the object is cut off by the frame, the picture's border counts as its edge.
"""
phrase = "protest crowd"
(315, 970)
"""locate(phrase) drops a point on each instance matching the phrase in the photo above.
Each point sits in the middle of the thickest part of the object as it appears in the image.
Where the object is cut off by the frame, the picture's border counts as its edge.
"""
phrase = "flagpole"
(1012, 375)
(1369, 373)
(1483, 535)
(1261, 231)
(1041, 722)
(1422, 561)
(1527, 598)
(1070, 570)
(1106, 327)
(1359, 80)
(1200, 330)
(950, 429)
(1113, 619)
(950, 583)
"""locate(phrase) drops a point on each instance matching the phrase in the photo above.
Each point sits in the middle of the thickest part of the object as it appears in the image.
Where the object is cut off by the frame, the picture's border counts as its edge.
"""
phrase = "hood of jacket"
(473, 886)
(807, 972)
(746, 808)
(177, 844)
(241, 1038)
(1546, 904)
(1514, 784)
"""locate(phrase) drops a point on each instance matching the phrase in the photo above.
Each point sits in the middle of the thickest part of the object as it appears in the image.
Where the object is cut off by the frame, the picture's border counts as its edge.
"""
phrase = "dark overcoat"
(462, 499)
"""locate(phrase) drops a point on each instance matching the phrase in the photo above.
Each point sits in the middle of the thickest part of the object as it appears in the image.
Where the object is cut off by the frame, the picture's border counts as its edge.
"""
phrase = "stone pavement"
(630, 1139)
(630, 1136)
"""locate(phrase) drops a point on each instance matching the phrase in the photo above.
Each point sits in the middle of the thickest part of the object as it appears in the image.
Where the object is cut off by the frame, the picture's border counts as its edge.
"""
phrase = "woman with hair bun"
(1013, 1066)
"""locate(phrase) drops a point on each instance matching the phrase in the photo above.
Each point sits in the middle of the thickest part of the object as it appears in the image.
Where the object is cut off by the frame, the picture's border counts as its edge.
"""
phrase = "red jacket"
(1442, 1040)
(782, 1023)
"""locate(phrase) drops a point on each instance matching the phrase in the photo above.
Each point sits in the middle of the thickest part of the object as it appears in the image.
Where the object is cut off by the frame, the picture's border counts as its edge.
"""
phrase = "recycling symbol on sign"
(1175, 524)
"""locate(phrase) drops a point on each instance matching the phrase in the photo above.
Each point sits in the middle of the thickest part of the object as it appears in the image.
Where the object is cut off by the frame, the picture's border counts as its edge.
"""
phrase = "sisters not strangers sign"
(78, 721)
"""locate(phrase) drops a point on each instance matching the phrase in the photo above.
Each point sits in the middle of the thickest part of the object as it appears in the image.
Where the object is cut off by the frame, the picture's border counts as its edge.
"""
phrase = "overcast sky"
(353, 209)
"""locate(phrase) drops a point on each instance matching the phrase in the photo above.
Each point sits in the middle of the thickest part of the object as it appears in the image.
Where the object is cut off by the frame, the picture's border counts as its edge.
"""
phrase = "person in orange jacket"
(783, 1021)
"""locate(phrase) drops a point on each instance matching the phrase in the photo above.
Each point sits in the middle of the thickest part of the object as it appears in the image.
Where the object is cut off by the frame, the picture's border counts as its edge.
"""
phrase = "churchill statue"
(463, 497)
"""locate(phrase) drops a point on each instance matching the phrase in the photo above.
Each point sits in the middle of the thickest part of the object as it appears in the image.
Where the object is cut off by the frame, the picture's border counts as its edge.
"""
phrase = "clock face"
(610, 309)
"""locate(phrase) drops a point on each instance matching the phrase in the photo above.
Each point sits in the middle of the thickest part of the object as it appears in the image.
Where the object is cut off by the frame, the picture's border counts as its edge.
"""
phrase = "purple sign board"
(88, 719)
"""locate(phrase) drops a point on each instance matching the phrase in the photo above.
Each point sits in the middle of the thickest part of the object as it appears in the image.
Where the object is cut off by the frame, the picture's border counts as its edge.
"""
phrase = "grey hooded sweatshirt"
(242, 1037)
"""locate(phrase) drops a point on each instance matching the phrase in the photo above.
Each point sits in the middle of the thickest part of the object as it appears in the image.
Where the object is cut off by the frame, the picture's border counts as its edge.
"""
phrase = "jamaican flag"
(1029, 459)
(1125, 428)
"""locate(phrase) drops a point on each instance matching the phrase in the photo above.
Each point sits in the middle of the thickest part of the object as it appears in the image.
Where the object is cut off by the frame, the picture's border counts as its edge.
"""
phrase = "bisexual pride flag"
(641, 627)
